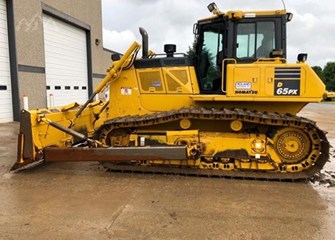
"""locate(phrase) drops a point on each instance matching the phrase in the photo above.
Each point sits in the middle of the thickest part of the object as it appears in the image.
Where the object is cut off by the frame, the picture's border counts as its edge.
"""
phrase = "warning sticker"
(125, 90)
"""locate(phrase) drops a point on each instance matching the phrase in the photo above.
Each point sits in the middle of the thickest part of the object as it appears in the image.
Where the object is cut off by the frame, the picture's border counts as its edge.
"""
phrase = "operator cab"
(240, 37)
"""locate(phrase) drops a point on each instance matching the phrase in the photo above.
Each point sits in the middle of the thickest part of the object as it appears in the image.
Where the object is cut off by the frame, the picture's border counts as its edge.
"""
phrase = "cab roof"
(238, 15)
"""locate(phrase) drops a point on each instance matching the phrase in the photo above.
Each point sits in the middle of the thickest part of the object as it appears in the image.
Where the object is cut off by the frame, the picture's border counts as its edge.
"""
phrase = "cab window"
(255, 40)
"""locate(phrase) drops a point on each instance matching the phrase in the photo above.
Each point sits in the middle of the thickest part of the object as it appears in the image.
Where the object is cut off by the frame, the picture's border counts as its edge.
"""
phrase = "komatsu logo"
(287, 88)
(253, 92)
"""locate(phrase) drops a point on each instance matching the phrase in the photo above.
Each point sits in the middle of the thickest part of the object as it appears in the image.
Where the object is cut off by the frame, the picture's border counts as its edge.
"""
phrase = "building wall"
(28, 25)
(89, 12)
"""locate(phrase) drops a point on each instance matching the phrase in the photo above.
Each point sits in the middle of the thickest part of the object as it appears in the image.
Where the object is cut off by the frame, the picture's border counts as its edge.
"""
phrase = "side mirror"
(195, 29)
(115, 57)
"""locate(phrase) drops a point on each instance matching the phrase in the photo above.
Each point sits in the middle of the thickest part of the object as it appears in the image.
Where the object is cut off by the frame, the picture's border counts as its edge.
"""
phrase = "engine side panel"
(266, 81)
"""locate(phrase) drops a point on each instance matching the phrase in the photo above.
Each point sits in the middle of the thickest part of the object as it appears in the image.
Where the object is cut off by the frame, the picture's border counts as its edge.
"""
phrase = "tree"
(191, 50)
(329, 75)
(318, 70)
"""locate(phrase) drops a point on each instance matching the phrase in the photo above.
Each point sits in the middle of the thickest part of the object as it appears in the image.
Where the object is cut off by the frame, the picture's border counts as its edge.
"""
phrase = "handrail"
(277, 59)
(223, 71)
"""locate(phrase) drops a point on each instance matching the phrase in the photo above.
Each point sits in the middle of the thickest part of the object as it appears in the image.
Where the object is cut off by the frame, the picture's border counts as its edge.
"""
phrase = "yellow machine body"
(250, 124)
(178, 88)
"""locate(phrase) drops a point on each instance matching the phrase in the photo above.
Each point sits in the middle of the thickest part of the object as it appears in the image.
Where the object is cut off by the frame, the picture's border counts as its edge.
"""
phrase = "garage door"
(6, 106)
(65, 62)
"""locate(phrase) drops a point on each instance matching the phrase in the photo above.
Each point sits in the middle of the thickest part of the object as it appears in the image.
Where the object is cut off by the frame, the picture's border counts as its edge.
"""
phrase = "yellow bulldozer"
(228, 108)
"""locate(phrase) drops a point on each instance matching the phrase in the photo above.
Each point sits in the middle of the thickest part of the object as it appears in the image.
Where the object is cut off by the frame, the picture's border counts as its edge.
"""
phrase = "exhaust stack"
(145, 42)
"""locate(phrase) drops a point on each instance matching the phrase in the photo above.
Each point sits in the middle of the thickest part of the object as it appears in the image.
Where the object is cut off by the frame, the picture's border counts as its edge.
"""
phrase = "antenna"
(283, 4)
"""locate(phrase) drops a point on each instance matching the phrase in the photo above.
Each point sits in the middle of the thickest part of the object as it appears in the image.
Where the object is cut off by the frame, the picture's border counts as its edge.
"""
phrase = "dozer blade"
(127, 154)
(44, 128)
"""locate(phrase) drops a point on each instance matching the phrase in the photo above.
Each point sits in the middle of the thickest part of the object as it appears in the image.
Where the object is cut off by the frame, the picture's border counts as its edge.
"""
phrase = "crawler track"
(198, 113)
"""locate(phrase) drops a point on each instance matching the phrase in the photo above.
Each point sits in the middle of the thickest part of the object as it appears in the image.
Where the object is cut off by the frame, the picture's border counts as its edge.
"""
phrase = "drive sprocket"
(292, 144)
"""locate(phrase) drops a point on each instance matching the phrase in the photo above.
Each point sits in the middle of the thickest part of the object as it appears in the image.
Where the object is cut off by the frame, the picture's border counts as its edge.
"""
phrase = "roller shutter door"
(65, 62)
(6, 105)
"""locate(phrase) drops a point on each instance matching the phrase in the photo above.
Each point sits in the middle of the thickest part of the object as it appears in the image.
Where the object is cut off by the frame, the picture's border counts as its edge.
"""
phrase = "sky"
(311, 31)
